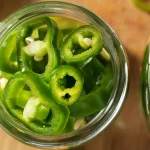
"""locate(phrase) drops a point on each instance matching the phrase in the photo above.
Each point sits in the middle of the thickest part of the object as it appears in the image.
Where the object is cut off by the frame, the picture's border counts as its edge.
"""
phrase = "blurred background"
(128, 131)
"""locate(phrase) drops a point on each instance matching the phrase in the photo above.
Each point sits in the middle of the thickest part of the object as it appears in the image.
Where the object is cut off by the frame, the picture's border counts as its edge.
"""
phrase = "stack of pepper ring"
(54, 80)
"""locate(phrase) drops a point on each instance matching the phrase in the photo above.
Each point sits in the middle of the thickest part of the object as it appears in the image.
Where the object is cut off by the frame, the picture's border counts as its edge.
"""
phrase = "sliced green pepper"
(82, 44)
(23, 98)
(142, 4)
(66, 84)
(44, 52)
(70, 125)
(92, 73)
(96, 100)
(8, 55)
(40, 113)
(41, 105)
(4, 77)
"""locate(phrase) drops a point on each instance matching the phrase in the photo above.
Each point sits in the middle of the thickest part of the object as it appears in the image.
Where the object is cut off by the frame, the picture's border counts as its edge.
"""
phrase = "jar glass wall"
(119, 63)
(145, 82)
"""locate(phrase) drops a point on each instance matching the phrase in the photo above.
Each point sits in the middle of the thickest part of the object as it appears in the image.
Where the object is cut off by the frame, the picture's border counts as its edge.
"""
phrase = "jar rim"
(121, 71)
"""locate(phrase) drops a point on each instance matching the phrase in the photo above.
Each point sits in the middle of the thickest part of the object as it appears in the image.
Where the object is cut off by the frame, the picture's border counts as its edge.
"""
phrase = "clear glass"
(145, 84)
(119, 63)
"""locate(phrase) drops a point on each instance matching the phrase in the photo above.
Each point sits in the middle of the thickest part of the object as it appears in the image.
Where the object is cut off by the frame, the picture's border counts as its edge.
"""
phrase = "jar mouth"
(119, 63)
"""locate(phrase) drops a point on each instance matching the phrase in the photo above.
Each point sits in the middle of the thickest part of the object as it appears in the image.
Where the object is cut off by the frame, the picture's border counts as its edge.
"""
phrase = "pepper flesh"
(8, 55)
(81, 44)
(92, 73)
(96, 100)
(66, 84)
(38, 49)
(70, 125)
(55, 116)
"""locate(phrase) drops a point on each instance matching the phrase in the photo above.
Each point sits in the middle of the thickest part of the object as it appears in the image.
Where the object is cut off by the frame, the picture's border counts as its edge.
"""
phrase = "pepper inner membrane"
(80, 47)
(38, 34)
(42, 114)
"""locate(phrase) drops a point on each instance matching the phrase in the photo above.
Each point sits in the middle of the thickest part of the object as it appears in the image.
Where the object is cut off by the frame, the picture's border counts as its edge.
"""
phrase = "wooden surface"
(129, 131)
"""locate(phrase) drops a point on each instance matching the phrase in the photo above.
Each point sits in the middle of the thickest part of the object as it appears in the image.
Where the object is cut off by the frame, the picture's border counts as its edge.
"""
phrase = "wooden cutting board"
(129, 131)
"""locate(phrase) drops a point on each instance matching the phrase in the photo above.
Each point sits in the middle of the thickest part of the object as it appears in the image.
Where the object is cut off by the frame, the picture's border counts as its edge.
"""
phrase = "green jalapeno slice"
(81, 44)
(66, 84)
(97, 99)
(8, 56)
(37, 109)
(38, 52)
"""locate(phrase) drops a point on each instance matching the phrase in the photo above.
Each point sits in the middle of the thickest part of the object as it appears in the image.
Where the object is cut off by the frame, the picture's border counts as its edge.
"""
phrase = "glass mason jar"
(120, 68)
(145, 84)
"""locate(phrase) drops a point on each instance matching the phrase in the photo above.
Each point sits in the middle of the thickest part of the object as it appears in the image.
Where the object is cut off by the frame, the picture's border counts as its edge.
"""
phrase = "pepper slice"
(82, 44)
(41, 53)
(41, 113)
(8, 55)
(96, 100)
(92, 73)
(4, 77)
(66, 84)
(70, 125)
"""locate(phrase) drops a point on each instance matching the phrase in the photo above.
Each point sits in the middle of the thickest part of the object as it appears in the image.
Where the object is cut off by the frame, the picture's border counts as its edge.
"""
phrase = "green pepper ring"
(60, 113)
(51, 42)
(66, 84)
(76, 38)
